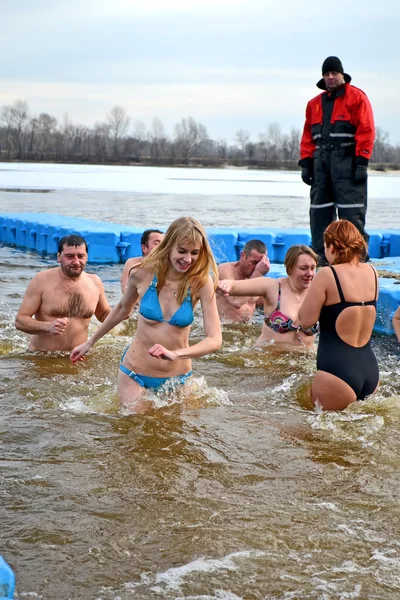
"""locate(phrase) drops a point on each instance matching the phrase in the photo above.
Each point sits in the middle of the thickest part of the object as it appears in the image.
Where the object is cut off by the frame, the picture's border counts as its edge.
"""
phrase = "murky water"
(236, 491)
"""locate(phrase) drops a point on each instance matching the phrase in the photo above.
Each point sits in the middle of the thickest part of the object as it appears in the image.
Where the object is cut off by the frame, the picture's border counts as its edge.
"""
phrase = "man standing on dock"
(59, 303)
(335, 150)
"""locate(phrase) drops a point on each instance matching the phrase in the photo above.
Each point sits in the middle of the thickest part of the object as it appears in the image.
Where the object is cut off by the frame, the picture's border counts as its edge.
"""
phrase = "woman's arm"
(315, 299)
(121, 311)
(260, 286)
(212, 327)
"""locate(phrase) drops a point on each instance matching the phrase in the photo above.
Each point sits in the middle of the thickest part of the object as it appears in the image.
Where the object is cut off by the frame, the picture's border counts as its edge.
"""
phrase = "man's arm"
(365, 129)
(31, 303)
(307, 144)
(102, 308)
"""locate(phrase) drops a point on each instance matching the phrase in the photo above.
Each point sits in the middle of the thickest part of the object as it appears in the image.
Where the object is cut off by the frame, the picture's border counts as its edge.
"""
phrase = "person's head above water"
(250, 256)
(150, 239)
(293, 254)
(301, 263)
(72, 255)
(344, 240)
(186, 251)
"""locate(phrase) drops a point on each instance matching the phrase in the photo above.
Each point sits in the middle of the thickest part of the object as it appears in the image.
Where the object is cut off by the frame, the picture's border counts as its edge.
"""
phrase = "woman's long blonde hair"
(184, 230)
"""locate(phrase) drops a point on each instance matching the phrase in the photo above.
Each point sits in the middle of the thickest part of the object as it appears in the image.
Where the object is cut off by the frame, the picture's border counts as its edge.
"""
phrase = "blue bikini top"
(150, 308)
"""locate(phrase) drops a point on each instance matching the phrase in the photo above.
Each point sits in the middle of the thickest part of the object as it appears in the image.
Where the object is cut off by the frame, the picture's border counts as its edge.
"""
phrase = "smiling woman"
(168, 283)
(282, 297)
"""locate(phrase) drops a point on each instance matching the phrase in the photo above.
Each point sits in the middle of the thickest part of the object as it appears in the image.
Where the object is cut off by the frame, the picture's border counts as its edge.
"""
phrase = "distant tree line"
(117, 140)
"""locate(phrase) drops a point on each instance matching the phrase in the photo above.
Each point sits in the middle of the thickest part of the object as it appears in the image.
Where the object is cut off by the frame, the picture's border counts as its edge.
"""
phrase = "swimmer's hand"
(159, 351)
(58, 326)
(78, 353)
(224, 287)
(262, 267)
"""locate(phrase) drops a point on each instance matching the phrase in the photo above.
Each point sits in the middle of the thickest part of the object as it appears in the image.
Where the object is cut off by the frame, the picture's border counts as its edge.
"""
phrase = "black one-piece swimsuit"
(358, 367)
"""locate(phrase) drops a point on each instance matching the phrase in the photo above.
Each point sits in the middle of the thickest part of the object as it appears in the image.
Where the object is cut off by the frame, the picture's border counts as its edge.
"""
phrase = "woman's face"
(304, 271)
(182, 256)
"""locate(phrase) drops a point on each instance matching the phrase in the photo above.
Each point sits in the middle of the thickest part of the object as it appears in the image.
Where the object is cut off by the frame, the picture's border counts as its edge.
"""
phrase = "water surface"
(238, 490)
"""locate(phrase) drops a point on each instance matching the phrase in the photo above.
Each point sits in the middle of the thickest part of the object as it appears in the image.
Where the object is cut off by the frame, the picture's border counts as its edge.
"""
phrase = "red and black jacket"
(352, 123)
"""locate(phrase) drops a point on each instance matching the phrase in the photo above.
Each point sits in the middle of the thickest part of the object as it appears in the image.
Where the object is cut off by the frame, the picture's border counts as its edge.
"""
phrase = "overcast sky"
(230, 64)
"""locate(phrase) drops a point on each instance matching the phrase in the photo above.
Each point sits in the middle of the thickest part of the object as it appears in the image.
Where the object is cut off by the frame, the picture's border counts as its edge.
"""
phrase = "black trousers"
(334, 192)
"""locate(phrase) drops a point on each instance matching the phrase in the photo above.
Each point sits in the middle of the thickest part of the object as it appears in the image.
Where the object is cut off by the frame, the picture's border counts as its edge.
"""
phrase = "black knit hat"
(332, 63)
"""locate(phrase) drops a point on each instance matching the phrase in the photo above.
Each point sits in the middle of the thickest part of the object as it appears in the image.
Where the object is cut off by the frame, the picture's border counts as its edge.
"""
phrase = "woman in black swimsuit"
(343, 298)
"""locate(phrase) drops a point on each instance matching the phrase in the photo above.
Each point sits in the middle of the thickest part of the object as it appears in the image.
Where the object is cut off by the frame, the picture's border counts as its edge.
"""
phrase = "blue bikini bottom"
(152, 382)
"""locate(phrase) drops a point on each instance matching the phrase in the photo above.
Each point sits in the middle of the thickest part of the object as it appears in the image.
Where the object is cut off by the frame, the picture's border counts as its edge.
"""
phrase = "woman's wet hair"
(346, 240)
(293, 254)
(186, 232)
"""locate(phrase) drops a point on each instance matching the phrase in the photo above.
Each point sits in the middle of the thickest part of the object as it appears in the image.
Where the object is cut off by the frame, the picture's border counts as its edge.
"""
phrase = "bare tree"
(188, 136)
(19, 111)
(264, 145)
(242, 138)
(381, 144)
(32, 129)
(7, 120)
(222, 149)
(118, 122)
(275, 140)
(294, 144)
(101, 140)
(135, 144)
(158, 140)
(46, 128)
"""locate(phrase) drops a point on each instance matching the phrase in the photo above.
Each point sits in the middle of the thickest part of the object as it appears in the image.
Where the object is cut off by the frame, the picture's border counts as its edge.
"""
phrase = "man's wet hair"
(71, 240)
(146, 234)
(257, 245)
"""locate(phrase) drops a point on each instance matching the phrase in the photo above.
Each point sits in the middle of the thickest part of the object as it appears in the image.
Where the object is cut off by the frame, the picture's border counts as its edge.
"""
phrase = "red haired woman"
(342, 297)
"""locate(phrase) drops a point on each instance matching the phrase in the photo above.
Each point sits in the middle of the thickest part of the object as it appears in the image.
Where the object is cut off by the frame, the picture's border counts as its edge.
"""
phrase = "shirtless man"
(150, 239)
(59, 303)
(253, 262)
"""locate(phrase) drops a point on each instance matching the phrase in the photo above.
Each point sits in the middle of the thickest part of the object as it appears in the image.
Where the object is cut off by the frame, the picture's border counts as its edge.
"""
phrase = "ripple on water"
(231, 488)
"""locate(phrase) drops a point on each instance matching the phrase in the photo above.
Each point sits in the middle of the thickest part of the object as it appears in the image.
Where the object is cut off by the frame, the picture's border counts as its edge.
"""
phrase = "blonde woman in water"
(168, 284)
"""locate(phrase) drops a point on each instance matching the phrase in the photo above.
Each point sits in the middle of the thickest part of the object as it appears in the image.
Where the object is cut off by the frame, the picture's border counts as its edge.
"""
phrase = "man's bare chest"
(70, 302)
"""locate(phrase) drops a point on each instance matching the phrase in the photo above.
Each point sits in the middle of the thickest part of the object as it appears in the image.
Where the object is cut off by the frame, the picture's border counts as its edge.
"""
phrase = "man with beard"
(59, 303)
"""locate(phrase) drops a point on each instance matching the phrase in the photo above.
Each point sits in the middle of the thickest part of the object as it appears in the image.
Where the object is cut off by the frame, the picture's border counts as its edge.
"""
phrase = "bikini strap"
(376, 282)
(339, 287)
(278, 306)
(154, 281)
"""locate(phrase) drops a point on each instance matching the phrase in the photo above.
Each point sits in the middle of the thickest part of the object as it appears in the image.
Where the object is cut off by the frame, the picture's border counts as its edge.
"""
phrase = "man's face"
(333, 80)
(152, 242)
(72, 260)
(249, 263)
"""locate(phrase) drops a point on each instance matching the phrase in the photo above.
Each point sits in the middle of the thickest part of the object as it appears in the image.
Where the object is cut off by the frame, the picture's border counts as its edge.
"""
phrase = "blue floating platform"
(113, 243)
(7, 580)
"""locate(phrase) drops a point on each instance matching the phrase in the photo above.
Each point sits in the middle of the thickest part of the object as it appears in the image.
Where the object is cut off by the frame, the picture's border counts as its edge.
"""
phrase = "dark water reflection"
(238, 490)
